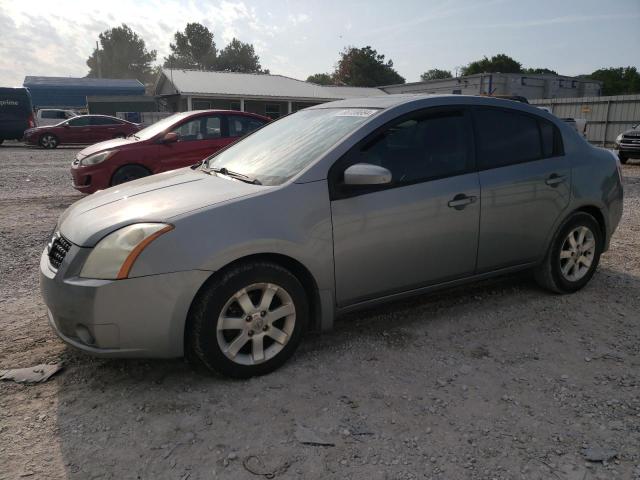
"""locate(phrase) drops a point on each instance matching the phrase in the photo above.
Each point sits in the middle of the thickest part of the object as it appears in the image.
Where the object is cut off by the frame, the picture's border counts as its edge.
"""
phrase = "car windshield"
(281, 149)
(159, 127)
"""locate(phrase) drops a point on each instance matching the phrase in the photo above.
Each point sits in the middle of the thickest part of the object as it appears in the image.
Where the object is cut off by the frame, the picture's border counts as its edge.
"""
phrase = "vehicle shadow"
(164, 419)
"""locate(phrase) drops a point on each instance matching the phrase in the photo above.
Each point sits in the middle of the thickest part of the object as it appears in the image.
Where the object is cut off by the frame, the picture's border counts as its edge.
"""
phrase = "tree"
(321, 79)
(498, 63)
(123, 54)
(435, 74)
(539, 71)
(618, 81)
(364, 67)
(193, 48)
(239, 57)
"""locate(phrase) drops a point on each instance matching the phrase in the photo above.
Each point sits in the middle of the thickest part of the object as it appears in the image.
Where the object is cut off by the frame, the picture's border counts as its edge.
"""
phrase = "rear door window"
(240, 125)
(506, 138)
(104, 121)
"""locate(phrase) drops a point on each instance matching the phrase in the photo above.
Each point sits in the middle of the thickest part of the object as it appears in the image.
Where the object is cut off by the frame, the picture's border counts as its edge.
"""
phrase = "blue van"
(16, 113)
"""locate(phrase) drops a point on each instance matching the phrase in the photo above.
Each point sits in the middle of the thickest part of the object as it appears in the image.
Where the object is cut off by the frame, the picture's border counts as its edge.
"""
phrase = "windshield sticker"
(356, 112)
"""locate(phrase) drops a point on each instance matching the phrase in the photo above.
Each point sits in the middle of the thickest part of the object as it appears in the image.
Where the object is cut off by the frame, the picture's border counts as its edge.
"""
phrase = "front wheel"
(248, 321)
(48, 140)
(573, 256)
(623, 158)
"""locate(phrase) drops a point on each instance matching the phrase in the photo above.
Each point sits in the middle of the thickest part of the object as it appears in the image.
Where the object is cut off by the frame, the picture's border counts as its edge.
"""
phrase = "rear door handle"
(554, 179)
(460, 201)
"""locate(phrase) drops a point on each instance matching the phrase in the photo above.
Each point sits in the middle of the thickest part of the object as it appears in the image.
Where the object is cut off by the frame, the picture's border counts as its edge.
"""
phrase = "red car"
(174, 142)
(83, 129)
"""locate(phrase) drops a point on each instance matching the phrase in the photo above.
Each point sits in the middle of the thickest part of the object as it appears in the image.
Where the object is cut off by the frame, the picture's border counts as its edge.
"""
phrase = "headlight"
(114, 255)
(96, 158)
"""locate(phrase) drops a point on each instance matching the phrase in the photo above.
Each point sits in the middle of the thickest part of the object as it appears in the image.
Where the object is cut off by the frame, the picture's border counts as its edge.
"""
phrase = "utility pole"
(98, 62)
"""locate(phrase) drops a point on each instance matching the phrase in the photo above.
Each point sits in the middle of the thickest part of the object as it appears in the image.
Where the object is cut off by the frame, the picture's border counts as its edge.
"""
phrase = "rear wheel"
(128, 173)
(249, 321)
(573, 256)
(48, 140)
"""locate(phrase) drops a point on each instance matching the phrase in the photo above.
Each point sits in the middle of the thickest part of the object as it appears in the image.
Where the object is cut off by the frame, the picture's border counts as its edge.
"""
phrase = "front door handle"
(460, 201)
(554, 180)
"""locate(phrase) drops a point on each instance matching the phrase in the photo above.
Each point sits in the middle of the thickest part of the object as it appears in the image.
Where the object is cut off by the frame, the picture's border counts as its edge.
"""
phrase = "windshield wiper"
(236, 175)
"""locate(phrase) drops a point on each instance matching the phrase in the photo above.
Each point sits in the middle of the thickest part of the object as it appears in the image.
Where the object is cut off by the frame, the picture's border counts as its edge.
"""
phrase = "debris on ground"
(306, 436)
(38, 374)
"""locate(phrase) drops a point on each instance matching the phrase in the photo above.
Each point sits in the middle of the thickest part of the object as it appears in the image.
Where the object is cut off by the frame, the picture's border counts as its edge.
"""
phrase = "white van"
(52, 116)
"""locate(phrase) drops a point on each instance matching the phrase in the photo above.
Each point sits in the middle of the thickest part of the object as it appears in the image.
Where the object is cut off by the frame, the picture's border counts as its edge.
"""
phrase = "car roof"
(395, 100)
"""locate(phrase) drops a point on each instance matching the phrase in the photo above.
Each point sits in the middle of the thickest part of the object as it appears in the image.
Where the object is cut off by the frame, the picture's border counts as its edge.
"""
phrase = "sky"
(299, 38)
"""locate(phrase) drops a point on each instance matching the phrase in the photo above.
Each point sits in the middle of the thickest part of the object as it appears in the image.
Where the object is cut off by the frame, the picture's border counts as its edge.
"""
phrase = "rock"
(598, 454)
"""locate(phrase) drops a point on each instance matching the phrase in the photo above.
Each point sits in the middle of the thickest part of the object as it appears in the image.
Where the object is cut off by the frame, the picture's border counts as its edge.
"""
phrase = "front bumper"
(136, 317)
(629, 149)
(89, 179)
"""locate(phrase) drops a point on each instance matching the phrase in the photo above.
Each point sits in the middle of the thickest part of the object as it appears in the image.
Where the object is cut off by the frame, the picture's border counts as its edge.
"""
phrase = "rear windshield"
(282, 149)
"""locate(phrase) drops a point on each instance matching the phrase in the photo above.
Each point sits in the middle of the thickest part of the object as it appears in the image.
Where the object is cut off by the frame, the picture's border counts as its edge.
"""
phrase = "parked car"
(333, 208)
(174, 142)
(580, 124)
(16, 113)
(628, 144)
(80, 130)
(52, 116)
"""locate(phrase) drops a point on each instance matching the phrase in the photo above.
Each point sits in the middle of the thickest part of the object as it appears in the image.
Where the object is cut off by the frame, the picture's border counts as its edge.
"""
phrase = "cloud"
(56, 38)
(298, 18)
(559, 20)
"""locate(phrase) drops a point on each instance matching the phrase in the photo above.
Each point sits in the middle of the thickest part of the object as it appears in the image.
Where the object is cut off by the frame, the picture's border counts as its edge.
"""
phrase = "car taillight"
(31, 121)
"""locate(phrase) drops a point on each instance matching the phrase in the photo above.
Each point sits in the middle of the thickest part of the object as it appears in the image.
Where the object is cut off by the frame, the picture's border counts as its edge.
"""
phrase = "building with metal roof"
(270, 95)
(529, 86)
(72, 93)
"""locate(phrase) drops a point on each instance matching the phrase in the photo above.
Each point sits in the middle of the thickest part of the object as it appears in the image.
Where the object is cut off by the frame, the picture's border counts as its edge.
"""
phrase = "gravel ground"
(498, 380)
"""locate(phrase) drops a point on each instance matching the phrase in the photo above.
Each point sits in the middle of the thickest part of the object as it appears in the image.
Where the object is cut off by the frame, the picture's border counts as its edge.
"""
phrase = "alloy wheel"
(49, 141)
(256, 323)
(577, 253)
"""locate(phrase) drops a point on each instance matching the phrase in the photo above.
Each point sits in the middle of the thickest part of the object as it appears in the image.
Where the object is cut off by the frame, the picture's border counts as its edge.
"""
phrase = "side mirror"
(366, 174)
(170, 137)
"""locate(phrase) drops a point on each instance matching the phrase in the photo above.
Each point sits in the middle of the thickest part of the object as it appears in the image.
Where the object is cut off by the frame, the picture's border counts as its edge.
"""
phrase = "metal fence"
(606, 117)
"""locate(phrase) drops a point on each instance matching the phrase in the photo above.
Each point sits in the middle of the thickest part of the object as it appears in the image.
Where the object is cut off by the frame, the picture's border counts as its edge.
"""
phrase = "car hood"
(106, 145)
(156, 198)
(632, 132)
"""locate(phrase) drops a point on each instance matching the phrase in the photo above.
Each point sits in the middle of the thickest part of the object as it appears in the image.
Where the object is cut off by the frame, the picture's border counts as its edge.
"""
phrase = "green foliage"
(364, 67)
(239, 57)
(539, 71)
(435, 74)
(123, 54)
(193, 48)
(321, 79)
(498, 63)
(618, 81)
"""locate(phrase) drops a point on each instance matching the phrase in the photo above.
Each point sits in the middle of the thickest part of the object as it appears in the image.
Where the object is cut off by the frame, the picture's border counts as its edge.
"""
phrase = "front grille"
(631, 137)
(59, 248)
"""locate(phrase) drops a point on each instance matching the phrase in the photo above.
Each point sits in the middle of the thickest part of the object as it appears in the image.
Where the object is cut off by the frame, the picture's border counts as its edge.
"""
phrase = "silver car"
(334, 208)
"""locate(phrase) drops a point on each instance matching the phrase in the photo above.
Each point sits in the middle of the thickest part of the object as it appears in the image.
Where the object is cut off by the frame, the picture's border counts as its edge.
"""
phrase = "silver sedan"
(334, 208)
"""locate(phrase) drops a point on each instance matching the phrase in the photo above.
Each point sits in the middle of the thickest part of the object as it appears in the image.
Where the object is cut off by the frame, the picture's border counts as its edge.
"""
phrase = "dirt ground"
(498, 380)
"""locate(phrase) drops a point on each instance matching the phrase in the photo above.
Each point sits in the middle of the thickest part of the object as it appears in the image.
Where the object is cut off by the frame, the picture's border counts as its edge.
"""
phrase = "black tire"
(127, 173)
(202, 333)
(549, 274)
(49, 140)
(623, 158)
(1, 141)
